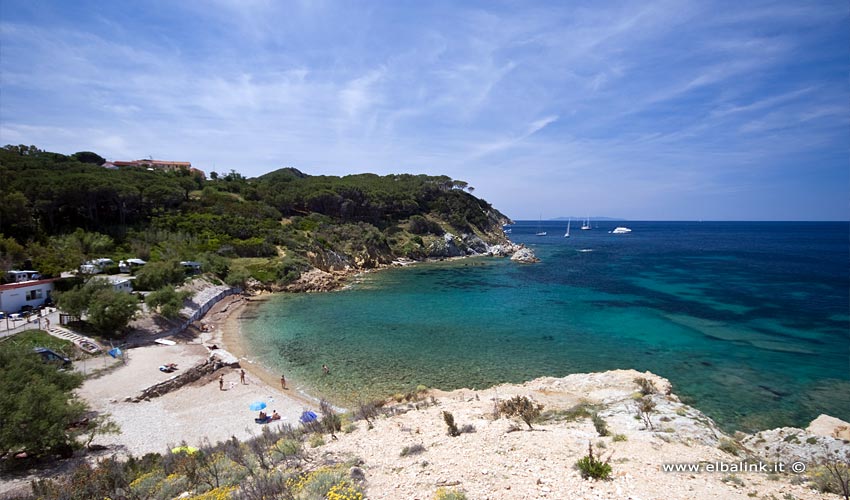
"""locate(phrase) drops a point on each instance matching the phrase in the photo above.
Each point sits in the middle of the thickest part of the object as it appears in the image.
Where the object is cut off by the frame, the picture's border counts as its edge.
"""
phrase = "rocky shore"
(499, 458)
(333, 273)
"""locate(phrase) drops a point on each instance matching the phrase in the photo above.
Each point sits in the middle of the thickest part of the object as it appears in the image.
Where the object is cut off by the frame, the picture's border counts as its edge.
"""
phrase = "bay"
(749, 320)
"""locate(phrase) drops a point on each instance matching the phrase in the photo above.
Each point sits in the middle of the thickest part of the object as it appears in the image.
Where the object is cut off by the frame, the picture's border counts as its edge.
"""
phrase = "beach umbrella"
(257, 405)
(307, 417)
(115, 352)
(184, 449)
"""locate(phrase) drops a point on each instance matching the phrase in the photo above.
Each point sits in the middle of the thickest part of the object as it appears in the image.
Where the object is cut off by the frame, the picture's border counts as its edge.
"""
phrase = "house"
(164, 165)
(191, 266)
(125, 266)
(118, 283)
(21, 276)
(25, 295)
(96, 266)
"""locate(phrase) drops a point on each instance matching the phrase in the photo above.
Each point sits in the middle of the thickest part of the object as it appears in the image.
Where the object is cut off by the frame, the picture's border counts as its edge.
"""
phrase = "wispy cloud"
(543, 107)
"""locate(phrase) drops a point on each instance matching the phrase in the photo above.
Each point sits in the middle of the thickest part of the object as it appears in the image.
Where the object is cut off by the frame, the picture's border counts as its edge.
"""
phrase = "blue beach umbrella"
(257, 405)
(307, 416)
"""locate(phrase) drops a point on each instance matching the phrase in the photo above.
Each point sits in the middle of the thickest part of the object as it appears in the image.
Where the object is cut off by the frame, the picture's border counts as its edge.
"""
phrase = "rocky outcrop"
(525, 256)
(448, 246)
(828, 426)
(789, 444)
(503, 459)
(315, 280)
(219, 358)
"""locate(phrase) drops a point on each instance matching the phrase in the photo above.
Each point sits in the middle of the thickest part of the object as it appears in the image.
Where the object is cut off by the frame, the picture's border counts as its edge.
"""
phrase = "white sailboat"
(586, 224)
(539, 227)
(567, 234)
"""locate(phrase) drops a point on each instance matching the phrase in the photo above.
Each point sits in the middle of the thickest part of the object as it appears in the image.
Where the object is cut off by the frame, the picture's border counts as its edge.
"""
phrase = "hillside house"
(15, 297)
(96, 266)
(119, 284)
(14, 276)
(164, 165)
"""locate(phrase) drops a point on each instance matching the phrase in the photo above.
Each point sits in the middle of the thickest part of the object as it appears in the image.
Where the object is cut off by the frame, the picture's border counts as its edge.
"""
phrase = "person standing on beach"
(326, 370)
(221, 382)
(282, 381)
(241, 376)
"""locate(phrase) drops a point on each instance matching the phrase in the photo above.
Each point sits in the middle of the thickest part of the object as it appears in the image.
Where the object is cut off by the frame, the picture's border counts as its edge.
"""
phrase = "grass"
(31, 339)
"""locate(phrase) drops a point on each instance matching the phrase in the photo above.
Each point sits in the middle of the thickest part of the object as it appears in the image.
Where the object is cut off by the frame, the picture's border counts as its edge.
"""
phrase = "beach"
(198, 411)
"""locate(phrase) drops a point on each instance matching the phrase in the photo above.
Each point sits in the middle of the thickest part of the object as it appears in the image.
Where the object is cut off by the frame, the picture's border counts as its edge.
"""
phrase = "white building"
(119, 284)
(15, 296)
(20, 276)
(96, 266)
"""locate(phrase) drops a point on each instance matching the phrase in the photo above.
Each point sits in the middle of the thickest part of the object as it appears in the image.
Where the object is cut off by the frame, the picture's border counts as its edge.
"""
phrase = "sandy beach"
(199, 410)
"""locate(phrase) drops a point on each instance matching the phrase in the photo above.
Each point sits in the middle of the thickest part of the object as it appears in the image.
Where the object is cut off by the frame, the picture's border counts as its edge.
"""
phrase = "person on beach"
(326, 370)
(241, 376)
(221, 382)
(275, 415)
(282, 381)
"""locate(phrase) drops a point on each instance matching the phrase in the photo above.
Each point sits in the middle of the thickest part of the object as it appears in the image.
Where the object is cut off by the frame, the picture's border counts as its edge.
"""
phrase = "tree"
(89, 157)
(37, 404)
(155, 275)
(76, 300)
(110, 311)
(167, 301)
(105, 309)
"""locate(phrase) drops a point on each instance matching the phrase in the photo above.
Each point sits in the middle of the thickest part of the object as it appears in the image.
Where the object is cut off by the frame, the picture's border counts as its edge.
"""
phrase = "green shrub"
(450, 422)
(316, 440)
(591, 467)
(600, 424)
(619, 437)
(447, 494)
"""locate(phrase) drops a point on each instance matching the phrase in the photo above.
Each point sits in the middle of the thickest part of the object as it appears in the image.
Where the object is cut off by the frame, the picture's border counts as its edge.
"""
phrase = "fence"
(199, 313)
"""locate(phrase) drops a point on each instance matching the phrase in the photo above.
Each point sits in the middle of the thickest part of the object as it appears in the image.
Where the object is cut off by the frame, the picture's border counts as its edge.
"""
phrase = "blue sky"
(642, 110)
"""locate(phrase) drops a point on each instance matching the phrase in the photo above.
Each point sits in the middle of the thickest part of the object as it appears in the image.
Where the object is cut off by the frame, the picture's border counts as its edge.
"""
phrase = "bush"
(37, 404)
(167, 301)
(155, 275)
(450, 422)
(592, 467)
(645, 406)
(619, 437)
(646, 386)
(522, 407)
(412, 450)
(729, 446)
(600, 424)
(447, 494)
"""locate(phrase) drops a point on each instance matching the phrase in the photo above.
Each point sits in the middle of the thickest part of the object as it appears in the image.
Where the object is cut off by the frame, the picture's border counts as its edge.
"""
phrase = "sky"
(642, 110)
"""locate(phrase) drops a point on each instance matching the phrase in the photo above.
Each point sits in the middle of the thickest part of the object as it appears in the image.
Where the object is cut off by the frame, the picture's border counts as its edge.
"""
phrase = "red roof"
(24, 284)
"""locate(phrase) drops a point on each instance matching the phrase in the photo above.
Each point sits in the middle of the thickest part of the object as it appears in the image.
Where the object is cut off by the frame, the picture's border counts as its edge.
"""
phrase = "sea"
(750, 321)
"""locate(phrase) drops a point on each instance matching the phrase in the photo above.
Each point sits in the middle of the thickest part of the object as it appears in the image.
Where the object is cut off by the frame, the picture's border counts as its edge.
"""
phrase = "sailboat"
(539, 224)
(567, 234)
(586, 224)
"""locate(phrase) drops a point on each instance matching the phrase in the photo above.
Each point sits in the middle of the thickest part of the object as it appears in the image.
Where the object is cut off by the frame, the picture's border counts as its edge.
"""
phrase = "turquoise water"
(748, 320)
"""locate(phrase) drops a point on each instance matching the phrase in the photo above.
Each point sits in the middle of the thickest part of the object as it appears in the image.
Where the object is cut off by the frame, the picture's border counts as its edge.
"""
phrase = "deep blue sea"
(750, 321)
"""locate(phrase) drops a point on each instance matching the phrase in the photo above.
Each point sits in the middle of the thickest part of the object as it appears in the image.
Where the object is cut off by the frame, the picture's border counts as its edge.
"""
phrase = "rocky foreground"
(409, 454)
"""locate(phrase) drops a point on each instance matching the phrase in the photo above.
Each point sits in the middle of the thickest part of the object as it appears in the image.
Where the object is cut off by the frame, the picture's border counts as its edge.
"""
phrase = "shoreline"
(227, 333)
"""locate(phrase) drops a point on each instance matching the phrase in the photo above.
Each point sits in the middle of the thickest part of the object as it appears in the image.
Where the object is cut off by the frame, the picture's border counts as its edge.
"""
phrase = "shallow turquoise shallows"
(749, 321)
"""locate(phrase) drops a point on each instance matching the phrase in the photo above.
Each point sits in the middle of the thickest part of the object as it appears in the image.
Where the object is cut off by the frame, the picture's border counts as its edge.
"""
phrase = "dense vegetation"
(57, 211)
(39, 414)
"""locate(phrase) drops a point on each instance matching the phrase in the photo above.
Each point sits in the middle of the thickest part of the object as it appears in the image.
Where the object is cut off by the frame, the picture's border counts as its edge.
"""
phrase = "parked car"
(49, 356)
